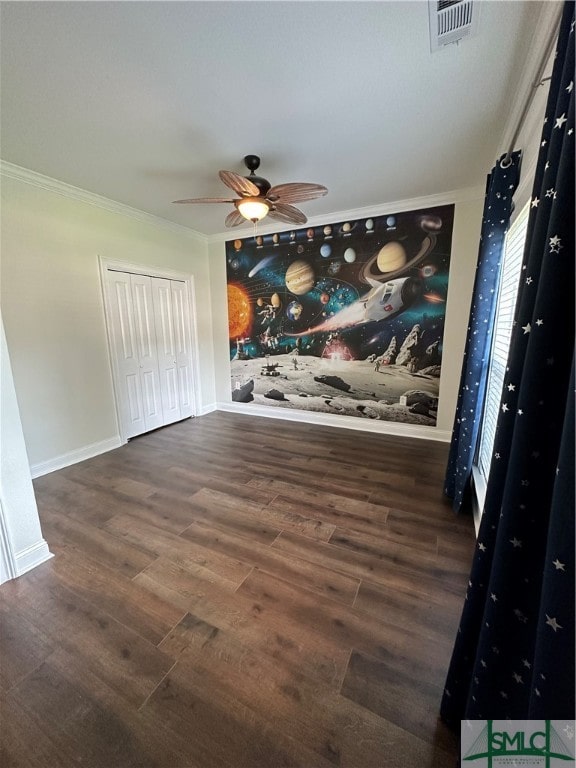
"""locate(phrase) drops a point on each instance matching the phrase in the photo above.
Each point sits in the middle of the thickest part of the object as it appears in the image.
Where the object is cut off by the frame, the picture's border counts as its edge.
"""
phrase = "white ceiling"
(143, 102)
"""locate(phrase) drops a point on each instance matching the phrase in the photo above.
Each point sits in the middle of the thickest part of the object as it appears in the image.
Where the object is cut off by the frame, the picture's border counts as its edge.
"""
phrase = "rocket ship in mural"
(385, 300)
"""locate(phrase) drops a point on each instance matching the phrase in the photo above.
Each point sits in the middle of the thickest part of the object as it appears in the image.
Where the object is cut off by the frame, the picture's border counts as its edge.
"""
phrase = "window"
(508, 291)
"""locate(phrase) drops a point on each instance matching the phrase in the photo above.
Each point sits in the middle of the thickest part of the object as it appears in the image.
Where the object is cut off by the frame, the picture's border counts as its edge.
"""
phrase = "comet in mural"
(385, 300)
(261, 264)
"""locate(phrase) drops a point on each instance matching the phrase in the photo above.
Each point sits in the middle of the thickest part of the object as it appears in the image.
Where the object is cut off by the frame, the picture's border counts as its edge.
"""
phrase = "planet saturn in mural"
(391, 257)
(392, 261)
(299, 277)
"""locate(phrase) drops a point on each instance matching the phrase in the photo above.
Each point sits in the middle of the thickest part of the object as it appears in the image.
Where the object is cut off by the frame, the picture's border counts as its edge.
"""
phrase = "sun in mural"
(239, 312)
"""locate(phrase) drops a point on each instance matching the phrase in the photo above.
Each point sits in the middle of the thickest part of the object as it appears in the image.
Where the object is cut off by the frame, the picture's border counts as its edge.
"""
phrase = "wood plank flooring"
(238, 592)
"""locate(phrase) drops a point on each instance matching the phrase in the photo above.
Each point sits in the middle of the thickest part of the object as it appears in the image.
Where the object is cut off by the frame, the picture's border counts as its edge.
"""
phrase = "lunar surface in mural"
(344, 318)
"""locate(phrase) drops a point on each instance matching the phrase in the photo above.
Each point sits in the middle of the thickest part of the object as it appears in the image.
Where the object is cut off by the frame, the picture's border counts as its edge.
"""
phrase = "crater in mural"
(344, 318)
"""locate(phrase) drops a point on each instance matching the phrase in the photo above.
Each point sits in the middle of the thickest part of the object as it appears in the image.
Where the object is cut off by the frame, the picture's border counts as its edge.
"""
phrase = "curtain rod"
(538, 81)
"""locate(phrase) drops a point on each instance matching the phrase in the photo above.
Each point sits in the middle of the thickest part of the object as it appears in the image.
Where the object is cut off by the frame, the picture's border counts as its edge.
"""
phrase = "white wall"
(466, 235)
(54, 314)
(21, 544)
(465, 242)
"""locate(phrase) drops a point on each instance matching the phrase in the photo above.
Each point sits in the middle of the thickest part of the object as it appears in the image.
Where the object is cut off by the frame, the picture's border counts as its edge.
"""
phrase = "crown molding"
(411, 204)
(35, 179)
(27, 176)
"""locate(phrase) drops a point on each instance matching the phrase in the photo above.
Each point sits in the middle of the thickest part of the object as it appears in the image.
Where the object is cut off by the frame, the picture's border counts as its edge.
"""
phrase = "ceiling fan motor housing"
(252, 162)
(262, 184)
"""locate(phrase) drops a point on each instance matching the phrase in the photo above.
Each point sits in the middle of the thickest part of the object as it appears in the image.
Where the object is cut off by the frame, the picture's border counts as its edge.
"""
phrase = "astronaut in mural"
(268, 314)
(273, 327)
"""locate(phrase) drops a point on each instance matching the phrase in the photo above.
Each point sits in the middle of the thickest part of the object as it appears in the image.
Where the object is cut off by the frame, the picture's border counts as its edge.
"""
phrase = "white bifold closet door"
(171, 314)
(150, 330)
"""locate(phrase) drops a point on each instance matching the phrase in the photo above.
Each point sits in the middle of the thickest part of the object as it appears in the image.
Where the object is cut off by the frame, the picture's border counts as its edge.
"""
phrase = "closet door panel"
(147, 352)
(135, 404)
(126, 345)
(148, 319)
(162, 300)
(183, 345)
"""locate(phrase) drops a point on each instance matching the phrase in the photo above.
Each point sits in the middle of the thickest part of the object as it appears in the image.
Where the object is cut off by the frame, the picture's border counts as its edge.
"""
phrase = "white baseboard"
(29, 558)
(208, 409)
(73, 457)
(347, 422)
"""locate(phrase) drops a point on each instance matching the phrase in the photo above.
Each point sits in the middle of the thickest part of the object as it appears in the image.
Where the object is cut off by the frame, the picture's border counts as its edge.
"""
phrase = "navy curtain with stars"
(500, 187)
(514, 651)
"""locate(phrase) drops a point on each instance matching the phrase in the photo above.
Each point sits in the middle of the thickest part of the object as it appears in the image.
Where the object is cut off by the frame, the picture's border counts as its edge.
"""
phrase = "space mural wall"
(345, 318)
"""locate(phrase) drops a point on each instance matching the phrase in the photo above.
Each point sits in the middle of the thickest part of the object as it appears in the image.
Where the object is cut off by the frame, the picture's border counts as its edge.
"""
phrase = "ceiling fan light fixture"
(253, 208)
(256, 198)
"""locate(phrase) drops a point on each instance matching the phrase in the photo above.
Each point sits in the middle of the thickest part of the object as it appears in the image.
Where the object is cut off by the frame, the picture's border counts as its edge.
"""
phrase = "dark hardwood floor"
(238, 591)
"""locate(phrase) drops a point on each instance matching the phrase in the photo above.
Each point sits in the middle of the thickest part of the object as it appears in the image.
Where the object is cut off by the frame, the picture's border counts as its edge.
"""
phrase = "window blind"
(508, 292)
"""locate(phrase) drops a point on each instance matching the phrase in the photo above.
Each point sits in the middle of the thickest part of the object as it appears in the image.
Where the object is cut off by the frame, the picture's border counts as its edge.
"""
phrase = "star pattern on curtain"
(501, 185)
(514, 651)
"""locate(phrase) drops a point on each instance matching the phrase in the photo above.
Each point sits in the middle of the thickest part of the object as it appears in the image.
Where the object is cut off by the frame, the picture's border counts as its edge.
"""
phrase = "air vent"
(451, 20)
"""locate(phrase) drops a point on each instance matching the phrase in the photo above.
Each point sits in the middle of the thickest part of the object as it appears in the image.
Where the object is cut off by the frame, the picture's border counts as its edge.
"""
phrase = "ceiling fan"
(257, 198)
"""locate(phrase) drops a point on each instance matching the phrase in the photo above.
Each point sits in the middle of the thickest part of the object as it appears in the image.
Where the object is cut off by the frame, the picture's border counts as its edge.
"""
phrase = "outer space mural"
(344, 318)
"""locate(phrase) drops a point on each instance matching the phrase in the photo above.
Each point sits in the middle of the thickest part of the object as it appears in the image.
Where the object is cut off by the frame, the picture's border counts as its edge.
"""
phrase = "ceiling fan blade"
(295, 192)
(287, 213)
(205, 200)
(234, 219)
(239, 184)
